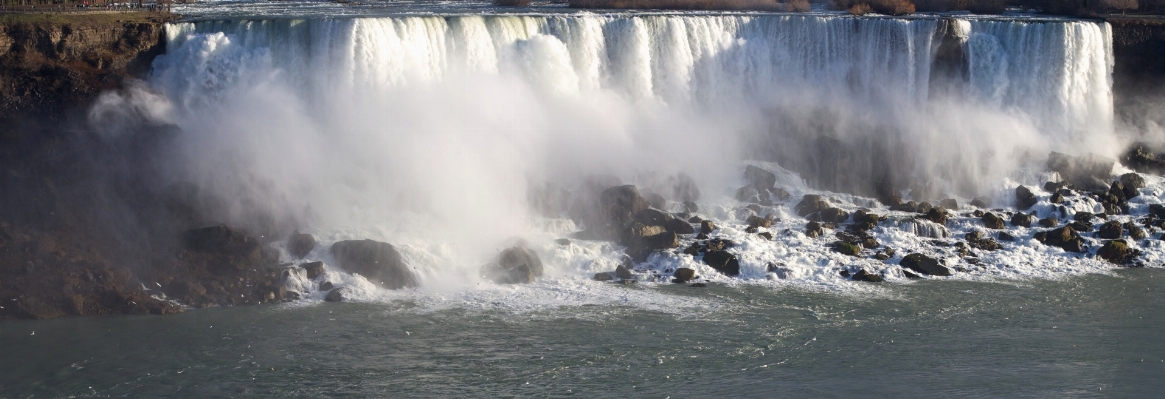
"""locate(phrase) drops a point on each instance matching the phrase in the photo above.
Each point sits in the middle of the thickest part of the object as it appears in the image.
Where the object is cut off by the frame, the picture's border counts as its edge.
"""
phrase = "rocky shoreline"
(64, 251)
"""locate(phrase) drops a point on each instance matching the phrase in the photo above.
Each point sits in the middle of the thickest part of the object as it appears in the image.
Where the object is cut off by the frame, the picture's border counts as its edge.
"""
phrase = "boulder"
(1135, 232)
(981, 202)
(691, 206)
(684, 189)
(1133, 180)
(978, 240)
(757, 221)
(1049, 222)
(1065, 237)
(936, 215)
(665, 240)
(313, 269)
(603, 276)
(814, 230)
(299, 245)
(834, 215)
(706, 227)
(652, 217)
(519, 274)
(620, 203)
(683, 275)
(335, 295)
(924, 264)
(1089, 171)
(377, 261)
(562, 241)
(1116, 251)
(846, 248)
(748, 194)
(1110, 230)
(992, 221)
(863, 275)
(810, 204)
(949, 203)
(1021, 219)
(655, 199)
(1142, 160)
(759, 178)
(1005, 236)
(1157, 210)
(623, 273)
(1024, 198)
(326, 286)
(237, 251)
(723, 262)
(1056, 198)
(679, 226)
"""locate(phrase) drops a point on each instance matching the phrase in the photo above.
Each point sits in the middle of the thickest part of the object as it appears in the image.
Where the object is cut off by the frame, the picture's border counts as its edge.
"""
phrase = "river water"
(1084, 336)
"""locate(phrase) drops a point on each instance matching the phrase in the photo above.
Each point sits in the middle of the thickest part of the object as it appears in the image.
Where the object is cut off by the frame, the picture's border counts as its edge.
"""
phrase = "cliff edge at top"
(51, 64)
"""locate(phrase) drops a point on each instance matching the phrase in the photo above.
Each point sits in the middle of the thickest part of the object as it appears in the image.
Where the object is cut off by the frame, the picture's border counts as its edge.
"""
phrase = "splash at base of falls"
(431, 132)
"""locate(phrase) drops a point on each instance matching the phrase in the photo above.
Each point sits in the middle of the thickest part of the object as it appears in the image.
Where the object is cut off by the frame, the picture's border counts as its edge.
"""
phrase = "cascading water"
(429, 131)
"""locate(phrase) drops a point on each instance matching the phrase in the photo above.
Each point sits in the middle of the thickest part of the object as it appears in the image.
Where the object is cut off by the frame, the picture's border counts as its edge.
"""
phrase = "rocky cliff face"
(48, 68)
(1138, 78)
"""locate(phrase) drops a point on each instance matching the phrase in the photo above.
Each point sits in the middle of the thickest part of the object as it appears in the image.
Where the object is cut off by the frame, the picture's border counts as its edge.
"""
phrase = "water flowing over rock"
(378, 262)
(516, 265)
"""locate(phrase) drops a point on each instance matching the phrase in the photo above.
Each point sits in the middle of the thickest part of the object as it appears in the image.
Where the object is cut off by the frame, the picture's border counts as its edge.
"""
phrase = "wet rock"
(936, 215)
(1022, 220)
(981, 202)
(655, 199)
(924, 228)
(313, 269)
(924, 207)
(562, 241)
(780, 194)
(810, 204)
(299, 245)
(1065, 237)
(978, 240)
(36, 308)
(623, 273)
(759, 178)
(754, 208)
(1142, 160)
(1049, 222)
(335, 295)
(326, 286)
(652, 217)
(723, 262)
(1056, 198)
(748, 194)
(707, 227)
(1116, 251)
(1080, 227)
(846, 248)
(718, 244)
(1133, 181)
(683, 275)
(766, 235)
(238, 251)
(1052, 186)
(949, 203)
(1135, 232)
(378, 262)
(814, 230)
(1110, 231)
(698, 285)
(603, 276)
(665, 240)
(757, 221)
(695, 219)
(519, 274)
(906, 207)
(992, 222)
(620, 203)
(1024, 198)
(924, 264)
(863, 275)
(1089, 171)
(691, 207)
(834, 215)
(1004, 236)
(679, 226)
(1157, 210)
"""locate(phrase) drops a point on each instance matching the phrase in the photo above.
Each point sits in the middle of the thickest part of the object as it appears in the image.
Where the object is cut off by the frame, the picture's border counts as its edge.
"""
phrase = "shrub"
(860, 9)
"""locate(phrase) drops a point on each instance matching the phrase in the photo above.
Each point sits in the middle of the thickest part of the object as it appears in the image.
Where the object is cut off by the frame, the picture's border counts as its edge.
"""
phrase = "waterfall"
(422, 121)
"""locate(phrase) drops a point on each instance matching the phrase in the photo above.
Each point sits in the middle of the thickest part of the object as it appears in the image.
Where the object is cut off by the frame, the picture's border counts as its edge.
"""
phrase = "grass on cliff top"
(84, 18)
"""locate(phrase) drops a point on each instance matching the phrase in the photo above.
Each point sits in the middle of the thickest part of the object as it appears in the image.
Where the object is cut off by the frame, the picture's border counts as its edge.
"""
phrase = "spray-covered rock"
(299, 245)
(515, 265)
(379, 262)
